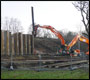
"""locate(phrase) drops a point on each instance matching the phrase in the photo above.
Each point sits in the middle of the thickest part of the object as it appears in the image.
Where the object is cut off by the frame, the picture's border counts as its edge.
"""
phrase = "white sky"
(62, 15)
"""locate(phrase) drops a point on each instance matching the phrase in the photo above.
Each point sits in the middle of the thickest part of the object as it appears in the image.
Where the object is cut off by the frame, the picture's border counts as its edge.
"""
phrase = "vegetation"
(83, 7)
(60, 74)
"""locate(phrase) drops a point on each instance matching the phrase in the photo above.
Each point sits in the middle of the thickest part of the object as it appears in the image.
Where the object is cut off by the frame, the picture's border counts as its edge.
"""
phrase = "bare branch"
(12, 25)
(83, 7)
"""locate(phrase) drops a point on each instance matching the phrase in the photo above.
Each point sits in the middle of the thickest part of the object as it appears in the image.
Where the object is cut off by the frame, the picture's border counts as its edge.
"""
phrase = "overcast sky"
(62, 15)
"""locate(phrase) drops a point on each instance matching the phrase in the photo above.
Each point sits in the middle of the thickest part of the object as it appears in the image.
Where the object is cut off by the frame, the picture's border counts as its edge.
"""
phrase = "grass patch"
(27, 74)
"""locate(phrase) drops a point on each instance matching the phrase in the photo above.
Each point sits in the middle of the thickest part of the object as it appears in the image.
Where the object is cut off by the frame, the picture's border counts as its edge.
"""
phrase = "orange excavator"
(56, 33)
(64, 47)
(75, 39)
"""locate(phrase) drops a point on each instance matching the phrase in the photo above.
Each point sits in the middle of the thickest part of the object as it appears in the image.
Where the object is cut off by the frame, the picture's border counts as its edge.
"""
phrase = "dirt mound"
(47, 45)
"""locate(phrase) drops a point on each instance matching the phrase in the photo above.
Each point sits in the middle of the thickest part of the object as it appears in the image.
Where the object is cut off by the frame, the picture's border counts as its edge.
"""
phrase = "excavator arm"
(75, 39)
(84, 39)
(55, 32)
(73, 42)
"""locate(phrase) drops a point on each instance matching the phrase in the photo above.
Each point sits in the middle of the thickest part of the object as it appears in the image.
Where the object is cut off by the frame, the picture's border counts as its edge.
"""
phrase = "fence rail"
(16, 44)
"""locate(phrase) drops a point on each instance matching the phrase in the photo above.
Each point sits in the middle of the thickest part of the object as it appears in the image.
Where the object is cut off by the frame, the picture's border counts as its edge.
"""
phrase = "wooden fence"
(16, 44)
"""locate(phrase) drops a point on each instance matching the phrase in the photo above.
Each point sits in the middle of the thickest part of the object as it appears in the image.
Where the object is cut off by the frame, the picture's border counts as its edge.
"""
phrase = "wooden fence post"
(2, 42)
(10, 43)
(19, 40)
(15, 44)
(13, 52)
(21, 44)
(24, 46)
(27, 44)
(30, 44)
(5, 42)
(7, 45)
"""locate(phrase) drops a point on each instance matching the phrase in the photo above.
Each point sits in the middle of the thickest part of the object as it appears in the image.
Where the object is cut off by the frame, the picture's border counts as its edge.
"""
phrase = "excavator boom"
(84, 39)
(75, 39)
(55, 32)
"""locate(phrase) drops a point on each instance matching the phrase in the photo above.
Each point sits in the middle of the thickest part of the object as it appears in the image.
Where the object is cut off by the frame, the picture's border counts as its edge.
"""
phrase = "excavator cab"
(63, 50)
(74, 52)
(77, 52)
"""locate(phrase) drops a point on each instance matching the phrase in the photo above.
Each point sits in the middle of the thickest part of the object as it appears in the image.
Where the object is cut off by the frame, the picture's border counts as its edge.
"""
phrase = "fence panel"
(16, 44)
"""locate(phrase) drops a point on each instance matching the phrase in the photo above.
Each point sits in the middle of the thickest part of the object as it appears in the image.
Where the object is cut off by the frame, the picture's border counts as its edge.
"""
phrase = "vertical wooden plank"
(13, 45)
(27, 44)
(21, 44)
(24, 44)
(17, 44)
(5, 42)
(19, 39)
(10, 43)
(2, 42)
(30, 44)
(7, 45)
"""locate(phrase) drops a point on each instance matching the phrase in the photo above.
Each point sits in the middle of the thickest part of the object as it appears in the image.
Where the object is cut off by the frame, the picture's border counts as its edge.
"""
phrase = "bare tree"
(83, 7)
(39, 31)
(5, 24)
(12, 25)
(46, 33)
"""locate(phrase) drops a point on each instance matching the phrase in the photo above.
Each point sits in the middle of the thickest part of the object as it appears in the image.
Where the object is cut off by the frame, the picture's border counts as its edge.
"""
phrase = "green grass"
(26, 74)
